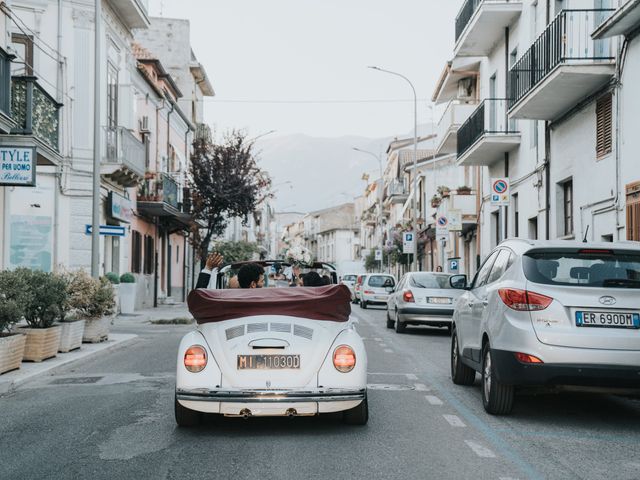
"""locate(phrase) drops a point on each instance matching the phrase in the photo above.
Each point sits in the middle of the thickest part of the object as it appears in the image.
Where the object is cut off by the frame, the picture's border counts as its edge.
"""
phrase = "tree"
(225, 182)
(236, 251)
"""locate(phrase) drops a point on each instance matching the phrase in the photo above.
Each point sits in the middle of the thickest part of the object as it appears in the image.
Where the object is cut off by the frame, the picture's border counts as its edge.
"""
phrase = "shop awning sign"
(17, 166)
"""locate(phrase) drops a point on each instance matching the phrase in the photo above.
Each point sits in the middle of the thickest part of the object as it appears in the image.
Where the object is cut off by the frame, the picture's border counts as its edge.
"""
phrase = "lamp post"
(377, 157)
(415, 159)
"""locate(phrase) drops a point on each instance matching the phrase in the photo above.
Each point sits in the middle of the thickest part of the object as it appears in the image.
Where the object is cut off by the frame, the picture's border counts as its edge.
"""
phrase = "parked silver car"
(422, 298)
(375, 289)
(549, 313)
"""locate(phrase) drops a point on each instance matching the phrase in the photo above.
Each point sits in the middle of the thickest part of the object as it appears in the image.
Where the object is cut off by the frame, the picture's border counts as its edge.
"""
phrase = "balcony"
(6, 124)
(454, 116)
(133, 13)
(563, 67)
(125, 157)
(162, 196)
(36, 118)
(397, 192)
(487, 134)
(480, 25)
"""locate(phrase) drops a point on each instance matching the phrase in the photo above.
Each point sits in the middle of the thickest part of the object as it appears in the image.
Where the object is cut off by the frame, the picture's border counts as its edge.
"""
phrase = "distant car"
(349, 279)
(548, 313)
(271, 352)
(358, 287)
(422, 298)
(376, 288)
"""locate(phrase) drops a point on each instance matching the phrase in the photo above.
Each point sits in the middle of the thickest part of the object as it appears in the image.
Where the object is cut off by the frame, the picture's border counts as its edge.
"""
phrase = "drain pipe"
(547, 158)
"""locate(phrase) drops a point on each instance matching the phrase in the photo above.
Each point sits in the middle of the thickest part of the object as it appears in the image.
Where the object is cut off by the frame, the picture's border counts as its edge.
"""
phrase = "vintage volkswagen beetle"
(271, 352)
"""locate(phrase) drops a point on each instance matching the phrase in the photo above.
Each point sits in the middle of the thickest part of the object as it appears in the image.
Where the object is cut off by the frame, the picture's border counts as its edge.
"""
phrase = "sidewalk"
(178, 311)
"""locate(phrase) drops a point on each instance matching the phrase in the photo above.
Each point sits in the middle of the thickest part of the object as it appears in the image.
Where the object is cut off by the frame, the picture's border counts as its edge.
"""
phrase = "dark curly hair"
(248, 273)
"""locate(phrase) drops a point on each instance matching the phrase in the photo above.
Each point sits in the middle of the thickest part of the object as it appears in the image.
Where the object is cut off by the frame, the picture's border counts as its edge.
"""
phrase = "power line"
(13, 16)
(325, 101)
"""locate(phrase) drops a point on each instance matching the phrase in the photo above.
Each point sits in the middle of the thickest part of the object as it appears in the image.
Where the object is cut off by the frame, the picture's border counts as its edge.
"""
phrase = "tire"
(497, 398)
(401, 327)
(358, 415)
(461, 374)
(363, 304)
(186, 417)
(449, 329)
(390, 323)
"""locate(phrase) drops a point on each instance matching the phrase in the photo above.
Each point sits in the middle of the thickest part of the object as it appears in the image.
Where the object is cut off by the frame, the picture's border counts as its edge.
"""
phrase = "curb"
(30, 371)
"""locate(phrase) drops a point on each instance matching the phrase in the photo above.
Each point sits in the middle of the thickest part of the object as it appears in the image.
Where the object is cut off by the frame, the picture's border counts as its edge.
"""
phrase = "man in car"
(210, 271)
(251, 275)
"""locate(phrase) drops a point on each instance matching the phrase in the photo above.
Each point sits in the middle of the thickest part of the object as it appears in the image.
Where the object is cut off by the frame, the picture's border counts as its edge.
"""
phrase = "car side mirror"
(459, 282)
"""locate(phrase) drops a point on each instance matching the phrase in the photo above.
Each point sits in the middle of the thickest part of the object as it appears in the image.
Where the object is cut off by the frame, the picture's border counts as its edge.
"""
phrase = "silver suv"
(548, 313)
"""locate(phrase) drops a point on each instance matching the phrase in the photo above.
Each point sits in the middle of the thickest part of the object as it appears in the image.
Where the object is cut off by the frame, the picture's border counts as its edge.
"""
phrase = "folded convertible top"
(331, 303)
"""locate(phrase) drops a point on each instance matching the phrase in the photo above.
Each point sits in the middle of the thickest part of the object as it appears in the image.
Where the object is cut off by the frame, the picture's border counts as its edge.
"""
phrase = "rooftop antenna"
(584, 240)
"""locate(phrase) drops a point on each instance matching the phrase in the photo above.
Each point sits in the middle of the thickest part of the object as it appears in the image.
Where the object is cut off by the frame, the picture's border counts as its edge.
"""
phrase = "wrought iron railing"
(467, 11)
(35, 111)
(396, 187)
(566, 39)
(489, 118)
(161, 187)
(169, 190)
(123, 148)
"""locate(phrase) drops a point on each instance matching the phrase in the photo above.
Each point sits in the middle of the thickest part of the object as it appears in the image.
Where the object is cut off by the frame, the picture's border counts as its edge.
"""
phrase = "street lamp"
(377, 157)
(415, 158)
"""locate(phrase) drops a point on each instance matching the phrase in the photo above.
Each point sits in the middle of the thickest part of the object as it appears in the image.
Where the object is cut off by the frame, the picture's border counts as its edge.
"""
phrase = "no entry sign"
(500, 191)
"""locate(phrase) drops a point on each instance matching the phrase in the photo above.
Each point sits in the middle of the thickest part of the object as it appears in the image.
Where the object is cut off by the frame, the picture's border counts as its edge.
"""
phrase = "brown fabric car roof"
(331, 303)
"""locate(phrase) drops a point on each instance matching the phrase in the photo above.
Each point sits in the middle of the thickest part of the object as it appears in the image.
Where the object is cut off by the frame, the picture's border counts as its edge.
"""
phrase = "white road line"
(383, 345)
(421, 387)
(454, 420)
(433, 400)
(377, 339)
(388, 350)
(411, 376)
(480, 450)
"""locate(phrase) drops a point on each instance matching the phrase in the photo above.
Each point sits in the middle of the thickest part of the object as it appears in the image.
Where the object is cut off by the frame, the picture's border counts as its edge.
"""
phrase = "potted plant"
(114, 278)
(48, 295)
(15, 294)
(443, 191)
(463, 190)
(435, 201)
(92, 300)
(127, 293)
(71, 327)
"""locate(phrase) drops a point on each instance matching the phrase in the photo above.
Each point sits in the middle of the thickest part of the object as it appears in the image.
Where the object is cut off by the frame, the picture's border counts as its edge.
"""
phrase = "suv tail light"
(407, 296)
(195, 358)
(344, 358)
(523, 300)
(369, 292)
(526, 358)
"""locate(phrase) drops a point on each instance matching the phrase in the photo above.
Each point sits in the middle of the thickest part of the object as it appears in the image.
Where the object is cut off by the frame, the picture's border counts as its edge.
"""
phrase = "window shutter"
(604, 126)
(633, 211)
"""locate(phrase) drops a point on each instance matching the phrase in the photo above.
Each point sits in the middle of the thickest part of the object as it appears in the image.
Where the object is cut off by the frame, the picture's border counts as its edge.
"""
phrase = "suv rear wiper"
(621, 282)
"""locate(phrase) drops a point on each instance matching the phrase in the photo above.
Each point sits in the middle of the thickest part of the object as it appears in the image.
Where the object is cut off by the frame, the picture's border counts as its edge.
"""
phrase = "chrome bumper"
(270, 396)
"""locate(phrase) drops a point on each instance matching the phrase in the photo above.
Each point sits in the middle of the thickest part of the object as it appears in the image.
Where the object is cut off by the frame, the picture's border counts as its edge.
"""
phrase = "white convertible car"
(271, 352)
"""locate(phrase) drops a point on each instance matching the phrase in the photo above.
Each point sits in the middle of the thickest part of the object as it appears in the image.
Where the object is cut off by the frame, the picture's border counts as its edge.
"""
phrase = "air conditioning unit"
(466, 88)
(144, 124)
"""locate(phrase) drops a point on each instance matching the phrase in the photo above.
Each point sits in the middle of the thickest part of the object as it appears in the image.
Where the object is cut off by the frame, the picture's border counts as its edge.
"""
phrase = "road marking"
(377, 339)
(454, 420)
(411, 376)
(388, 386)
(433, 400)
(480, 450)
(421, 387)
(388, 350)
(383, 345)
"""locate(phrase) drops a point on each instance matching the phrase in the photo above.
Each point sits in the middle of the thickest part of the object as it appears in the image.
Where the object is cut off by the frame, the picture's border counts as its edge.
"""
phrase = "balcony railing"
(125, 149)
(35, 111)
(567, 39)
(161, 188)
(469, 7)
(489, 118)
(396, 188)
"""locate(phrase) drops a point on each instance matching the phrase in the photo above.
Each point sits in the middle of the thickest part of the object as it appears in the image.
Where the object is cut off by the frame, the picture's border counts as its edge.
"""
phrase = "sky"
(299, 66)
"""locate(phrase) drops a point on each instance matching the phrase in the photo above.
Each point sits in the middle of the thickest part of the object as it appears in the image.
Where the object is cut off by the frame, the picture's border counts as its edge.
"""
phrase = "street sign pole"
(95, 214)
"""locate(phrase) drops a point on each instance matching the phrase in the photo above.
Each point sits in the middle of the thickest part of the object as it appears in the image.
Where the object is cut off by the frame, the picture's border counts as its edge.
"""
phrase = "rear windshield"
(381, 281)
(430, 280)
(349, 278)
(612, 270)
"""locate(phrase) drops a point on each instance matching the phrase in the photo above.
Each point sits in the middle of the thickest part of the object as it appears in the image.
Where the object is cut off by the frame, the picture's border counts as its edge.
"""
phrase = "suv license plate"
(268, 362)
(608, 319)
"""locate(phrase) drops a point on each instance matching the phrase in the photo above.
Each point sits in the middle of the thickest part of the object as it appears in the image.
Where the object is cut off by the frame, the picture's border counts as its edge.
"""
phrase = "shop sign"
(17, 166)
(119, 207)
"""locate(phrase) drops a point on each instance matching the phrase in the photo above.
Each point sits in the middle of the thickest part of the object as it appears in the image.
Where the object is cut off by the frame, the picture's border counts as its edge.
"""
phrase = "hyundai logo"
(606, 300)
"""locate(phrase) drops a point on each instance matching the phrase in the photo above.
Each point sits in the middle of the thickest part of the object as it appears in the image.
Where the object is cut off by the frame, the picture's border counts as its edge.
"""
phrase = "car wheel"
(449, 329)
(461, 374)
(390, 322)
(363, 304)
(497, 398)
(401, 327)
(186, 417)
(358, 415)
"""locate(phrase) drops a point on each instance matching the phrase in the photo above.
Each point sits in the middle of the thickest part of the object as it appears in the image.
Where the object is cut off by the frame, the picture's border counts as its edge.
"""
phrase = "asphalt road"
(112, 418)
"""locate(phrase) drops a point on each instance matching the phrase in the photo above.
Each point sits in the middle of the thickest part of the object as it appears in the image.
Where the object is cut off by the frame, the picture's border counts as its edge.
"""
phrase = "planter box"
(96, 330)
(127, 298)
(71, 335)
(42, 343)
(11, 352)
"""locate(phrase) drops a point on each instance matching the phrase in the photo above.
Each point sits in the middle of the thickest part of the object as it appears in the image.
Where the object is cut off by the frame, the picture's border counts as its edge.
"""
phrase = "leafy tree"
(236, 251)
(225, 182)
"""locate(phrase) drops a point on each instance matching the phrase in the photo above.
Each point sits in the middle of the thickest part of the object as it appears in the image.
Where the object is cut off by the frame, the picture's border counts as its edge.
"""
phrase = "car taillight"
(344, 358)
(369, 292)
(195, 358)
(526, 358)
(407, 296)
(523, 300)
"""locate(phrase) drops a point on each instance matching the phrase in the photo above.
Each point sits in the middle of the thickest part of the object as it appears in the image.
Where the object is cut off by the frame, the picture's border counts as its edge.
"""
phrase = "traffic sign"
(455, 220)
(500, 191)
(442, 226)
(454, 265)
(107, 230)
(408, 242)
(378, 256)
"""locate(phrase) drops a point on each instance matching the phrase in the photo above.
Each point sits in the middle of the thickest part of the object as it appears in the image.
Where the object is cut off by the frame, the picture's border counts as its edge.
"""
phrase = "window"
(23, 45)
(533, 228)
(112, 96)
(149, 255)
(516, 215)
(567, 200)
(633, 212)
(136, 252)
(430, 280)
(483, 273)
(502, 263)
(380, 281)
(177, 253)
(5, 83)
(604, 128)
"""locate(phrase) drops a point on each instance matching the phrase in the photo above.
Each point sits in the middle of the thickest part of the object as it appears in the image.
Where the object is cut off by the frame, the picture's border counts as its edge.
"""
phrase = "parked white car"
(422, 298)
(549, 313)
(376, 288)
(349, 279)
(271, 352)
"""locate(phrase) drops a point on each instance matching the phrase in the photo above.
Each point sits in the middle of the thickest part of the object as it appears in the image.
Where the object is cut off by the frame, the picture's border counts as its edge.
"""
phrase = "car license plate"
(608, 319)
(268, 362)
(381, 297)
(439, 300)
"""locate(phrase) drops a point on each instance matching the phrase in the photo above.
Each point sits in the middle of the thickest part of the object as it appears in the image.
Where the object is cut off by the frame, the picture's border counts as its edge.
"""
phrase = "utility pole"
(97, 151)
